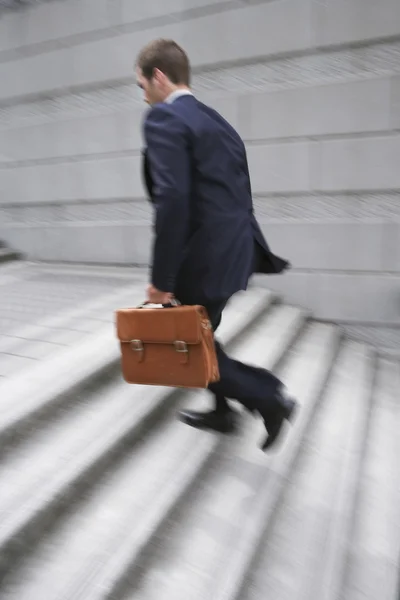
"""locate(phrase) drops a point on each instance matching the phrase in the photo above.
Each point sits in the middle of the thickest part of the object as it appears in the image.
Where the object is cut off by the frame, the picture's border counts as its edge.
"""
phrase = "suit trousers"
(255, 388)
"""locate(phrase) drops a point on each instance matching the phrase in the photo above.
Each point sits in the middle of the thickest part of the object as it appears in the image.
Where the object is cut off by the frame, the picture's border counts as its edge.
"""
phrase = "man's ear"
(159, 77)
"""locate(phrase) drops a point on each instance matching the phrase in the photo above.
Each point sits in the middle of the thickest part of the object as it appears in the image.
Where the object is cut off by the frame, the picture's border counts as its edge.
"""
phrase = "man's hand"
(155, 296)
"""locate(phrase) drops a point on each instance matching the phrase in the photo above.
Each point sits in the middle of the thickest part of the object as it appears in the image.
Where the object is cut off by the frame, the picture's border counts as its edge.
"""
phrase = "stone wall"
(313, 86)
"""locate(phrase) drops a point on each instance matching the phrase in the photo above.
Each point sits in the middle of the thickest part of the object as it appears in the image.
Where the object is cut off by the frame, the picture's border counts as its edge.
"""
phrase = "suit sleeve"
(248, 175)
(168, 154)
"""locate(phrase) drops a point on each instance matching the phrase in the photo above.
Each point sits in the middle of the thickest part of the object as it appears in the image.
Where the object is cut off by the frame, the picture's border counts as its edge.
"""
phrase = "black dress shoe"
(275, 420)
(224, 422)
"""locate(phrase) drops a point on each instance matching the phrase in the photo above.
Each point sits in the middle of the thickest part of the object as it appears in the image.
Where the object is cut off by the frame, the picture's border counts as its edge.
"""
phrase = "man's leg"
(257, 389)
(221, 404)
(221, 418)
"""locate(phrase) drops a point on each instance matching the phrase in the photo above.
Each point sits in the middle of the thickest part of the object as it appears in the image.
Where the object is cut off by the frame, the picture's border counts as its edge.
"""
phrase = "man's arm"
(168, 154)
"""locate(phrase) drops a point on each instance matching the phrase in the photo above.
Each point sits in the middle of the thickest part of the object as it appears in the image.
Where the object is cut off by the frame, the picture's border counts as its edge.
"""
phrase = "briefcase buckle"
(181, 346)
(137, 345)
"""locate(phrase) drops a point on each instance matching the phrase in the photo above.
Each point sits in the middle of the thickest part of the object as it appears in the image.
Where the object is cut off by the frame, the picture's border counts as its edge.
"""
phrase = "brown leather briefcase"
(172, 346)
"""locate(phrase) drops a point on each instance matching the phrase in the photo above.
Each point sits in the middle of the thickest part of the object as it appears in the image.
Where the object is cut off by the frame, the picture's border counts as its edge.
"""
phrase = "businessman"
(207, 242)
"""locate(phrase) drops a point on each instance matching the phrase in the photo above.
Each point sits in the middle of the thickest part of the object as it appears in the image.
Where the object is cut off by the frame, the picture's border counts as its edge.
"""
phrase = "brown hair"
(168, 57)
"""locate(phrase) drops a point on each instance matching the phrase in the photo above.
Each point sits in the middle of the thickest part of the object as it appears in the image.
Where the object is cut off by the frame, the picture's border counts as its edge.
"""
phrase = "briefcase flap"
(160, 325)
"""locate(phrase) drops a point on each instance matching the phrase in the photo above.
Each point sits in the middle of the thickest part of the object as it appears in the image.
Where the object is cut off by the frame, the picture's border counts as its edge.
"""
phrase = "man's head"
(161, 68)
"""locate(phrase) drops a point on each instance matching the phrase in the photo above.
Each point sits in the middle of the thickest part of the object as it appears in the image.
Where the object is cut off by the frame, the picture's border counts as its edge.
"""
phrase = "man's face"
(153, 89)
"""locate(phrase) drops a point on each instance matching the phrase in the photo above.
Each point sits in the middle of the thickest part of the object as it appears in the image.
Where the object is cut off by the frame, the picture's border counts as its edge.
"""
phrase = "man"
(207, 241)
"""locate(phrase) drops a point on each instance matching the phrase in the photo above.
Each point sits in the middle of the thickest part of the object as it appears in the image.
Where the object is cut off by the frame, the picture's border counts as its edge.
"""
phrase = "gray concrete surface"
(306, 552)
(377, 523)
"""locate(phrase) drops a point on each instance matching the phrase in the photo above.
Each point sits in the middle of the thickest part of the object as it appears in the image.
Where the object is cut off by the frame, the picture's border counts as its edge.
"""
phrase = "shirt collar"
(177, 94)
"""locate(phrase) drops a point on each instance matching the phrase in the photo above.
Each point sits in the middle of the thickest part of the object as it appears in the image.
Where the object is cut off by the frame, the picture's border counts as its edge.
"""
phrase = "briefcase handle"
(174, 302)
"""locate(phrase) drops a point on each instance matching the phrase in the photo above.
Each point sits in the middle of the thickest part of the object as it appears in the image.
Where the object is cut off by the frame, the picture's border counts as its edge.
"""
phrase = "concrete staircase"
(6, 254)
(105, 495)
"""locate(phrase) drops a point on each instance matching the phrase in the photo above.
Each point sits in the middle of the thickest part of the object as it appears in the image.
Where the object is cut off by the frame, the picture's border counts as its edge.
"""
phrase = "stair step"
(355, 419)
(86, 317)
(374, 552)
(31, 296)
(305, 552)
(95, 543)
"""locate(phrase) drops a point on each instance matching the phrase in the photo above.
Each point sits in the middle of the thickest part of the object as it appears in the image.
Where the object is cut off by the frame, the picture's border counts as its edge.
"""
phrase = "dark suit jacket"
(207, 241)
